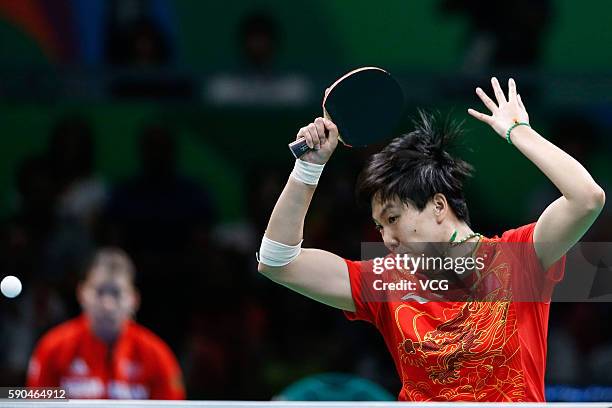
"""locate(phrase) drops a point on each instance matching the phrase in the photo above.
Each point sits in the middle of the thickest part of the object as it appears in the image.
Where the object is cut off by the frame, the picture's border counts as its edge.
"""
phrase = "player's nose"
(108, 302)
(390, 241)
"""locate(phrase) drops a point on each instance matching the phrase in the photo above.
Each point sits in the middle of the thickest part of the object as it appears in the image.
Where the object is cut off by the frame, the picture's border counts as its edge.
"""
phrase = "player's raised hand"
(321, 136)
(504, 113)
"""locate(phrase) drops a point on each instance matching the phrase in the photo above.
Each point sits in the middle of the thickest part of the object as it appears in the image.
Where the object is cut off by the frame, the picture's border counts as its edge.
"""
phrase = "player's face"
(405, 229)
(108, 299)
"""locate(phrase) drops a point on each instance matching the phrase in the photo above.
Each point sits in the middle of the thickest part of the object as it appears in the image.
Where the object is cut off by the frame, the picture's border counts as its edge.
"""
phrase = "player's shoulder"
(358, 263)
(523, 233)
(63, 334)
(147, 339)
(359, 266)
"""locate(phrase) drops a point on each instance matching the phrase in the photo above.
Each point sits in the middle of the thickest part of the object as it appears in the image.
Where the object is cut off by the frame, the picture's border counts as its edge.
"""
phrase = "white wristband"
(307, 173)
(274, 253)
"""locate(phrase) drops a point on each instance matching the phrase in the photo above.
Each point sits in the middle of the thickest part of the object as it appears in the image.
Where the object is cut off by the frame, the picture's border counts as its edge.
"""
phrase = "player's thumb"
(331, 128)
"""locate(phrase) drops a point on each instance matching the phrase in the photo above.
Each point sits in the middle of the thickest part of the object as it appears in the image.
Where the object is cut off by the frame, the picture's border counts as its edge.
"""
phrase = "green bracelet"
(512, 127)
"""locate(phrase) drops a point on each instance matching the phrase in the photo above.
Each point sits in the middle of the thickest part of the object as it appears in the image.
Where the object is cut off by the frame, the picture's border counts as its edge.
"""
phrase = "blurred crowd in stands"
(236, 334)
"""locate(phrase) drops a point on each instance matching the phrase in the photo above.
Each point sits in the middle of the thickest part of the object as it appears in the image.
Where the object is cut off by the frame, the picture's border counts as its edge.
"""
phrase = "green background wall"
(319, 35)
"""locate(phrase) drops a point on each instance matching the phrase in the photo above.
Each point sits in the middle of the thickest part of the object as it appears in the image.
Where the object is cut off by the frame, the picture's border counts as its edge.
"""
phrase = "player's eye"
(392, 219)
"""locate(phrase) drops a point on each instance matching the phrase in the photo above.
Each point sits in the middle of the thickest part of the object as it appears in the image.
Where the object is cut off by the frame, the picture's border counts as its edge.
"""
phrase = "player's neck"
(463, 230)
(465, 241)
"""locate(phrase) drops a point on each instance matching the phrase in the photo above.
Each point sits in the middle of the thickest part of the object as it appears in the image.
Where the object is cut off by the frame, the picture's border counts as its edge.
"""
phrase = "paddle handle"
(298, 147)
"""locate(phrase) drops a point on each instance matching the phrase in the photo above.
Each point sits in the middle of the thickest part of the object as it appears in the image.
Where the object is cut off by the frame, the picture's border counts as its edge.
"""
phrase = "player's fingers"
(511, 90)
(312, 129)
(499, 94)
(481, 116)
(520, 101)
(303, 133)
(488, 102)
(331, 128)
(320, 129)
(309, 137)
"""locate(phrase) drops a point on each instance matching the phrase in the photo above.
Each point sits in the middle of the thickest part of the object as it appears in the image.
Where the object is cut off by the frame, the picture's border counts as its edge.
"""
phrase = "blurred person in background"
(59, 197)
(48, 237)
(138, 43)
(141, 48)
(259, 38)
(259, 81)
(491, 45)
(158, 216)
(71, 154)
(161, 208)
(136, 35)
(104, 353)
(81, 194)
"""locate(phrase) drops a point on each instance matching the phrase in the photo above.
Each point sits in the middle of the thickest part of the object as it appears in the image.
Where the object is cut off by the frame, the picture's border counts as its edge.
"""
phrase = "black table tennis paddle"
(366, 105)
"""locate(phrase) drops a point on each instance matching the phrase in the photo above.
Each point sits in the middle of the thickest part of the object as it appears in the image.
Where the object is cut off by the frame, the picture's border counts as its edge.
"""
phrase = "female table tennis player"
(459, 351)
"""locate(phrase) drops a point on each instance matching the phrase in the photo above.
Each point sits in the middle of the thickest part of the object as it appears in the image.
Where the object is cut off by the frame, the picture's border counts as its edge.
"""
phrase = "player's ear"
(440, 207)
(80, 293)
(136, 301)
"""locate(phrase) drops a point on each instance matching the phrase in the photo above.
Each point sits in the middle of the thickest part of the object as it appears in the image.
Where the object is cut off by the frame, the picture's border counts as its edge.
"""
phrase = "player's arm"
(317, 274)
(41, 369)
(168, 379)
(567, 219)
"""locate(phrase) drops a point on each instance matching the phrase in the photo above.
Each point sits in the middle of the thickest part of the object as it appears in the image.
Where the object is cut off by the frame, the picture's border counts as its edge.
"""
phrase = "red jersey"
(139, 365)
(491, 351)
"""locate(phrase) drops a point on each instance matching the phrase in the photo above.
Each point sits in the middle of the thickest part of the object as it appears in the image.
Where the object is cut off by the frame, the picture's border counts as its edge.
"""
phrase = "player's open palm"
(322, 137)
(504, 113)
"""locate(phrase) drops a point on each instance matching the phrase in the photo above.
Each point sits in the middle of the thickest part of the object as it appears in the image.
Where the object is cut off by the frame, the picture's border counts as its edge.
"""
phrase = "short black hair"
(415, 166)
(112, 259)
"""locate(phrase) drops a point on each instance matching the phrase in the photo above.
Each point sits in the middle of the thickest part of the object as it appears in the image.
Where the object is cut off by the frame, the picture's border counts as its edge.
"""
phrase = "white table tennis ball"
(10, 286)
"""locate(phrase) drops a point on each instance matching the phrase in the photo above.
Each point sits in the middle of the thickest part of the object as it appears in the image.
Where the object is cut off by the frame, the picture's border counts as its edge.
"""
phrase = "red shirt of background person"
(103, 353)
